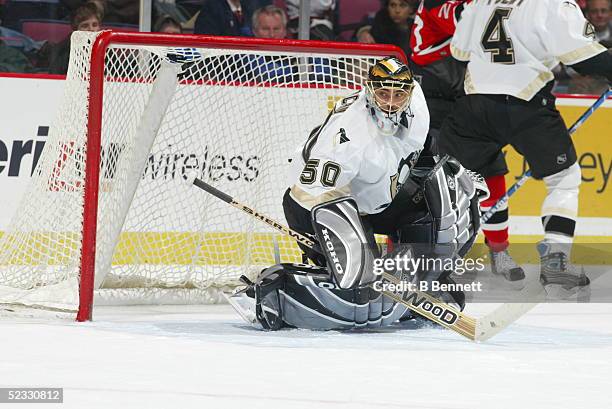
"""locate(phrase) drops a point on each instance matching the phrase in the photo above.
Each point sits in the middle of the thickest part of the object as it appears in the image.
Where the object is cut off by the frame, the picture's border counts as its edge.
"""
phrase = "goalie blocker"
(435, 214)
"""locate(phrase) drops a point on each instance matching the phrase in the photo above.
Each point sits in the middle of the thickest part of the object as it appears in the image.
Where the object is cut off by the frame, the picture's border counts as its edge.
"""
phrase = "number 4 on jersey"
(495, 40)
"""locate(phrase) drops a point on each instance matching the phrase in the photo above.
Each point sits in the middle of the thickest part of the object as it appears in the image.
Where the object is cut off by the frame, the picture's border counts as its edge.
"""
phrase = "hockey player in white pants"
(360, 173)
(511, 48)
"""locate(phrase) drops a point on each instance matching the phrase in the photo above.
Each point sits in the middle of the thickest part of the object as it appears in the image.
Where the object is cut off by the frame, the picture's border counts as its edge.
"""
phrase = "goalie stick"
(525, 176)
(476, 329)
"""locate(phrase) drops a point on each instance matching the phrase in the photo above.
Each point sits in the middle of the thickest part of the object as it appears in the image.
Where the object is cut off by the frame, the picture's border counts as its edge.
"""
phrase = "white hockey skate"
(243, 302)
(560, 279)
(503, 265)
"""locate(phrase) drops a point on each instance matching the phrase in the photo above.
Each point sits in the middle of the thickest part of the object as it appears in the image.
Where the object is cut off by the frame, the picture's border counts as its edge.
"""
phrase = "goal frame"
(95, 104)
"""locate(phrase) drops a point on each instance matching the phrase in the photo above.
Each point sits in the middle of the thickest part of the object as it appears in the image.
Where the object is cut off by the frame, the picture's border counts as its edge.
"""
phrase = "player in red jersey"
(441, 75)
(441, 78)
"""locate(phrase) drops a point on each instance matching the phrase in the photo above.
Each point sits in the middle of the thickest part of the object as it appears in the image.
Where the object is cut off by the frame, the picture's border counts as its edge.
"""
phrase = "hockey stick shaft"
(417, 301)
(525, 176)
(271, 222)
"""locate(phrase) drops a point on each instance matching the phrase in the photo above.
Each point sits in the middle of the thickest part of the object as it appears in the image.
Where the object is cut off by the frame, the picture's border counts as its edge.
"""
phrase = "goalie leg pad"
(348, 249)
(303, 296)
(425, 273)
(308, 305)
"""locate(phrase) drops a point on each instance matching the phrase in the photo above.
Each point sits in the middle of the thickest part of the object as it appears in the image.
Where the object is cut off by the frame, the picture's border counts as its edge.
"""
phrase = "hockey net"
(107, 208)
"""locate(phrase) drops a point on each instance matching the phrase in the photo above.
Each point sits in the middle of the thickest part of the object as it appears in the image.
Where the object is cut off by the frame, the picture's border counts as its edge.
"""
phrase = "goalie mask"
(388, 91)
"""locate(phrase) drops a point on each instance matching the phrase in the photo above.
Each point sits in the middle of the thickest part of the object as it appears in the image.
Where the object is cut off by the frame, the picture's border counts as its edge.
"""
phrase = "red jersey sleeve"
(433, 28)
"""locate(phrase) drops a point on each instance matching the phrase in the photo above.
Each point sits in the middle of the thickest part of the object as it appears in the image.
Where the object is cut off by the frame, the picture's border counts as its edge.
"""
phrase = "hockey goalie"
(366, 171)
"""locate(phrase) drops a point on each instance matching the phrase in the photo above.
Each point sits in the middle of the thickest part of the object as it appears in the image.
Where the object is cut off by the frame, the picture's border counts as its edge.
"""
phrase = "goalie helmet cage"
(107, 212)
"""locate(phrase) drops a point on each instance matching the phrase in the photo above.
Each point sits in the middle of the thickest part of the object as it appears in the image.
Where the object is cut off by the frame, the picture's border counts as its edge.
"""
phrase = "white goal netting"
(233, 115)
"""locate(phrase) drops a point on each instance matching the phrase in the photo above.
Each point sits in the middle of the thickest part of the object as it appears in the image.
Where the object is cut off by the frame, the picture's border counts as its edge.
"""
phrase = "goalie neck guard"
(389, 90)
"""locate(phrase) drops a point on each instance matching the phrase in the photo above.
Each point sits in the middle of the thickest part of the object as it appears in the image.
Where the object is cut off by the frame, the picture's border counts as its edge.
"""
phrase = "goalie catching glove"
(453, 197)
(451, 221)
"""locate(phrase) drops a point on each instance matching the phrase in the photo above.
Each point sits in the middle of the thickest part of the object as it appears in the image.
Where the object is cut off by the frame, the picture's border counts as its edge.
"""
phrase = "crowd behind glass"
(35, 34)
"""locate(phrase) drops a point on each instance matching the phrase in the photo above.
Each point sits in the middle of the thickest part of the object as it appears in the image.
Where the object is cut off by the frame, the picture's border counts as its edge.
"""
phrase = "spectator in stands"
(598, 13)
(167, 24)
(323, 19)
(391, 25)
(118, 11)
(24, 46)
(13, 60)
(286, 70)
(85, 18)
(270, 22)
(224, 18)
(19, 40)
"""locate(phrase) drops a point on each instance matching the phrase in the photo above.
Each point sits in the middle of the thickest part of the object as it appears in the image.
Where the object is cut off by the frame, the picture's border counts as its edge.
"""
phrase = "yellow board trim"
(202, 249)
(167, 248)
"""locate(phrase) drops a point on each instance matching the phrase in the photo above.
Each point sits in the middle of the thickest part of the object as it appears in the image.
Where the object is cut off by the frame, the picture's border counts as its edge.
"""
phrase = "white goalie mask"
(388, 92)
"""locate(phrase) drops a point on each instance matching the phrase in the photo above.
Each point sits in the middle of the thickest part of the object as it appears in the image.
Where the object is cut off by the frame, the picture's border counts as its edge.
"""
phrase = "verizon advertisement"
(27, 110)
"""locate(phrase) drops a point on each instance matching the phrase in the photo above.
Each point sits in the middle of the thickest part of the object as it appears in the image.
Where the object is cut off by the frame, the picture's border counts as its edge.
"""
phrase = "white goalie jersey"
(513, 45)
(350, 156)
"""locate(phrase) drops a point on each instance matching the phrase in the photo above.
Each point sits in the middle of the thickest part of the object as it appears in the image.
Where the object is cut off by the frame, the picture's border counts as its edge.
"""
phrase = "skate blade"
(244, 306)
(556, 292)
(514, 285)
(517, 284)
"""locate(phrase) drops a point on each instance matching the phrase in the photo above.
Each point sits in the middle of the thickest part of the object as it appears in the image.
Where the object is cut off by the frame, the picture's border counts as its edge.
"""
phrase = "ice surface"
(557, 356)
